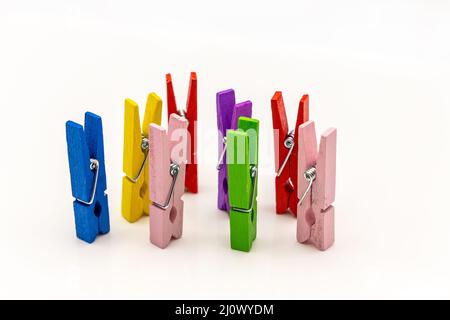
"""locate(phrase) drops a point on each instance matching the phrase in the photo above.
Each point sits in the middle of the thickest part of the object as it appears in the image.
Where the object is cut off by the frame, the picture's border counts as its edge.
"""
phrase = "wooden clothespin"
(316, 186)
(135, 199)
(88, 177)
(191, 183)
(167, 165)
(242, 162)
(228, 113)
(286, 152)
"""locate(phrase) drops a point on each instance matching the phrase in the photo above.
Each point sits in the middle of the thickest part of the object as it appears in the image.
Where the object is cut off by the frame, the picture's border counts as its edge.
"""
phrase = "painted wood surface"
(165, 149)
(315, 220)
(228, 113)
(135, 197)
(84, 144)
(191, 183)
(242, 154)
(286, 184)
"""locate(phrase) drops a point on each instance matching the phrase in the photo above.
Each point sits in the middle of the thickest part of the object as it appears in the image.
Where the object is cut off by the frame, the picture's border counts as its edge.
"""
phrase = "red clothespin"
(316, 186)
(190, 115)
(286, 152)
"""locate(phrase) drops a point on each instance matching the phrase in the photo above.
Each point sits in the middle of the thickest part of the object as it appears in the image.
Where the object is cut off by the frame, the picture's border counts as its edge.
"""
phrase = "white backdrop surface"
(377, 71)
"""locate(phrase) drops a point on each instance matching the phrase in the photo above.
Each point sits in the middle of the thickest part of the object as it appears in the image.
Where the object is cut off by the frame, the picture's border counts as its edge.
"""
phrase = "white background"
(378, 71)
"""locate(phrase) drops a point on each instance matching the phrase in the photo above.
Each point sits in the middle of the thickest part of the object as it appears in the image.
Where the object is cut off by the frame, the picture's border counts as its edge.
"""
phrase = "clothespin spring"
(174, 170)
(182, 114)
(144, 147)
(310, 176)
(219, 164)
(93, 166)
(288, 143)
(254, 176)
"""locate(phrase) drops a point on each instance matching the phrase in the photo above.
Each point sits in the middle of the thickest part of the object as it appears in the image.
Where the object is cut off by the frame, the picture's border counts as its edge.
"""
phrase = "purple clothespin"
(228, 113)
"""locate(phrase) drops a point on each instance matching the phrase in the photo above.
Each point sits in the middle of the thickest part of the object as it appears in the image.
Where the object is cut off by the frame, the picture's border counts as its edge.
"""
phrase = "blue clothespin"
(88, 177)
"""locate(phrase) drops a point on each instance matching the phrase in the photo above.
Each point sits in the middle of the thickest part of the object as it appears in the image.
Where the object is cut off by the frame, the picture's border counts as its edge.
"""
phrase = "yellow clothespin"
(135, 198)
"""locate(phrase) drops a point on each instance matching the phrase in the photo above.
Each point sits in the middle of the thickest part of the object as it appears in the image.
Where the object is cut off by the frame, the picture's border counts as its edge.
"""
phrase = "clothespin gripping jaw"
(242, 162)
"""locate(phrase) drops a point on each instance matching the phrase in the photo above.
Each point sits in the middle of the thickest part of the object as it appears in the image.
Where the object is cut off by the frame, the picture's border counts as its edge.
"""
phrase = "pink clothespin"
(316, 186)
(167, 164)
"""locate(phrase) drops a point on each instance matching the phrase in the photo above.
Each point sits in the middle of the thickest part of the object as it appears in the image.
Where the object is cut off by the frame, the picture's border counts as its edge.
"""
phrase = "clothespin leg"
(283, 184)
(322, 231)
(91, 220)
(241, 231)
(307, 156)
(323, 193)
(191, 181)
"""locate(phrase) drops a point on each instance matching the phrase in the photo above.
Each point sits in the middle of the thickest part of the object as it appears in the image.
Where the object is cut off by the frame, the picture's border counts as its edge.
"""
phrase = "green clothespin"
(242, 162)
